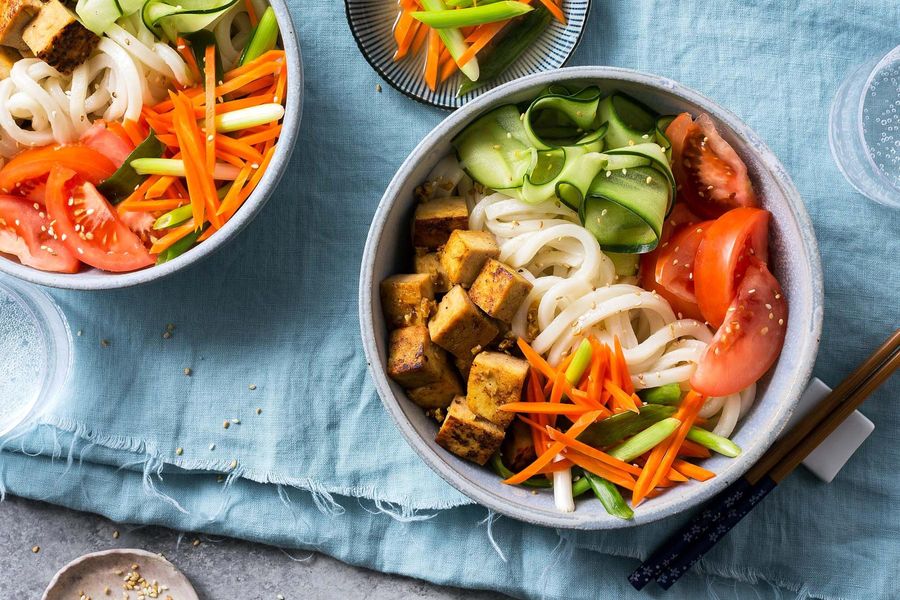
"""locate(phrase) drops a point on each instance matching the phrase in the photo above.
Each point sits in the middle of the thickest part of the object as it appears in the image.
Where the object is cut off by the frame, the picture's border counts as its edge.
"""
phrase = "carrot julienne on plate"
(590, 307)
(136, 131)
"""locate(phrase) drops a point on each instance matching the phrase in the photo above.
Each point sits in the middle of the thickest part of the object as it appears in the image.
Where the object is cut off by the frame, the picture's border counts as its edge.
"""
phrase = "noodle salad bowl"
(793, 259)
(136, 142)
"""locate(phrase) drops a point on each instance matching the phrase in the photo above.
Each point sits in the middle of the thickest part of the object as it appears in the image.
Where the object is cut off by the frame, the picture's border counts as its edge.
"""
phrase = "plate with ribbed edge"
(372, 24)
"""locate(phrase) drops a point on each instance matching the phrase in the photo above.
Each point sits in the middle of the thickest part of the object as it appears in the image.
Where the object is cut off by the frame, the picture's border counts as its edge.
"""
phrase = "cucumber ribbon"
(599, 155)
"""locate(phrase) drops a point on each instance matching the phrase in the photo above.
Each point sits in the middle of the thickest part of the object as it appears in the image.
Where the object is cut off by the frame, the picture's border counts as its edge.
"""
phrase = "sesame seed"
(233, 463)
(251, 387)
(35, 549)
(777, 296)
(187, 371)
(104, 343)
(751, 291)
(236, 421)
(764, 330)
(115, 534)
(769, 306)
(212, 446)
(781, 321)
(195, 543)
(259, 411)
(378, 87)
(624, 171)
(226, 424)
(179, 451)
(649, 180)
(631, 142)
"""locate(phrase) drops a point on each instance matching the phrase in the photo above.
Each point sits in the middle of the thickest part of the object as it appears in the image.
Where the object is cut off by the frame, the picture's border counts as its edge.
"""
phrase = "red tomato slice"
(723, 255)
(90, 227)
(26, 233)
(711, 177)
(675, 265)
(680, 215)
(749, 341)
(30, 167)
(107, 143)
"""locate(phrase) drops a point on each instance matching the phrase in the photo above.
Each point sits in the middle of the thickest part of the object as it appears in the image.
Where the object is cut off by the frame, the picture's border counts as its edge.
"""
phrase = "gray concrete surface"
(219, 568)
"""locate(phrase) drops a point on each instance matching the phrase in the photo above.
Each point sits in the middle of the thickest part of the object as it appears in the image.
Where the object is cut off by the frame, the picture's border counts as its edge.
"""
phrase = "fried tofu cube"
(58, 38)
(465, 254)
(499, 290)
(14, 17)
(430, 263)
(459, 326)
(407, 299)
(467, 435)
(436, 219)
(464, 364)
(438, 394)
(8, 58)
(413, 361)
(495, 379)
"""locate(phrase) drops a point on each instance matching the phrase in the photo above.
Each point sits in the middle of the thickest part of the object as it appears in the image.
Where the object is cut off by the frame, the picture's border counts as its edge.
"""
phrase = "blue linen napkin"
(276, 312)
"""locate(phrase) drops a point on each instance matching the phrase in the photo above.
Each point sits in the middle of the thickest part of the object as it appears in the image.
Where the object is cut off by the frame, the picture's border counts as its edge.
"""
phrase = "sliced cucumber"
(662, 139)
(626, 264)
(556, 120)
(169, 18)
(495, 150)
(629, 120)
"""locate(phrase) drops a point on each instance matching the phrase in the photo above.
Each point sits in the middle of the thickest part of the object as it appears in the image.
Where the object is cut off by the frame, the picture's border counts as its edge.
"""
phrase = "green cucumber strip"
(503, 471)
(629, 120)
(125, 180)
(199, 41)
(556, 120)
(610, 497)
(573, 181)
(624, 424)
(494, 150)
(98, 15)
(669, 394)
(654, 155)
(179, 247)
(516, 38)
(264, 38)
(645, 440)
(714, 442)
(170, 18)
(626, 264)
(625, 212)
(662, 139)
(174, 217)
(454, 41)
(474, 15)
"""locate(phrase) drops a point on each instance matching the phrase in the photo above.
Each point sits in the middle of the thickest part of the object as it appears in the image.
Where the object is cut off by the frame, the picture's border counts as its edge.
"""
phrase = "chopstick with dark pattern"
(684, 548)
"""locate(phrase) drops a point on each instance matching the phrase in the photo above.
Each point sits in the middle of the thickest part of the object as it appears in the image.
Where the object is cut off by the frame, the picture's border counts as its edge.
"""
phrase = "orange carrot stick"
(555, 10)
(150, 205)
(432, 59)
(582, 448)
(270, 133)
(624, 400)
(687, 412)
(251, 12)
(536, 361)
(600, 469)
(209, 67)
(546, 408)
(693, 471)
(173, 235)
(624, 375)
(691, 449)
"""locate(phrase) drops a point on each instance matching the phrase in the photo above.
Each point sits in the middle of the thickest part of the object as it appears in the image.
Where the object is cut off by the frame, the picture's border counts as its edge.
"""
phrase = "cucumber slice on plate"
(495, 150)
(556, 119)
(98, 15)
(169, 18)
(629, 120)
(626, 264)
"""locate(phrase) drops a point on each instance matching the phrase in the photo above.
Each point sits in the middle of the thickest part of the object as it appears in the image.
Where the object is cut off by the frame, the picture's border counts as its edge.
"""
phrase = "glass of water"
(35, 352)
(864, 129)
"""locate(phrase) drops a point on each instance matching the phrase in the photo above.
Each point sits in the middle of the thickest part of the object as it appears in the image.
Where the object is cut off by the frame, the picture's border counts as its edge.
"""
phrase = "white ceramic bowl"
(796, 264)
(94, 279)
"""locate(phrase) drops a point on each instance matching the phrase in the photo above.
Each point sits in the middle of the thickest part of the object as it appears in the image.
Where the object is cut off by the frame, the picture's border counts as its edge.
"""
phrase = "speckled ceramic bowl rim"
(648, 513)
(95, 280)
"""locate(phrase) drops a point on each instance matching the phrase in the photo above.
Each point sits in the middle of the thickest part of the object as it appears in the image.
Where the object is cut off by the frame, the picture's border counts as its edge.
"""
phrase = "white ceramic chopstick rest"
(833, 453)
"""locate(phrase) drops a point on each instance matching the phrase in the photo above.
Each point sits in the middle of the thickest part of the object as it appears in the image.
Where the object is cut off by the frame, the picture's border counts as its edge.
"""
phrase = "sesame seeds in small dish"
(399, 47)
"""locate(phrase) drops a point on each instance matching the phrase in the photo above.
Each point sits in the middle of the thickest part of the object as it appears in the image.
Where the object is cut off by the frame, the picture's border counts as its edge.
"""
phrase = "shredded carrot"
(555, 10)
(405, 32)
(547, 408)
(184, 49)
(447, 69)
(232, 198)
(674, 476)
(534, 394)
(555, 467)
(693, 471)
(280, 85)
(238, 147)
(582, 448)
(624, 375)
(138, 194)
(432, 57)
(150, 205)
(687, 413)
(419, 40)
(649, 471)
(251, 12)
(133, 131)
(580, 425)
(270, 133)
(272, 56)
(201, 186)
(691, 449)
(621, 398)
(172, 236)
(601, 470)
(536, 361)
(209, 67)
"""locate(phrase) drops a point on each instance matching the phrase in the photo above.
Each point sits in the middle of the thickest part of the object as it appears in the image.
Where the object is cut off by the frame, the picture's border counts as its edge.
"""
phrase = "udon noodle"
(577, 293)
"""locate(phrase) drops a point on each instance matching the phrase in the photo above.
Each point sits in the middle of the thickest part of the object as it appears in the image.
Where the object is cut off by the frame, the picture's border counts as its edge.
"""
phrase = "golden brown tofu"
(465, 253)
(430, 263)
(495, 379)
(438, 394)
(464, 364)
(458, 325)
(467, 435)
(517, 450)
(8, 57)
(407, 299)
(14, 17)
(56, 37)
(413, 361)
(499, 290)
(436, 219)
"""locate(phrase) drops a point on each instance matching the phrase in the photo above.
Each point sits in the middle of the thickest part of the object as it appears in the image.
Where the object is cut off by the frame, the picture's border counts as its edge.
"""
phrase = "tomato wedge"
(675, 265)
(89, 226)
(26, 233)
(723, 255)
(20, 174)
(107, 143)
(711, 177)
(680, 216)
(749, 341)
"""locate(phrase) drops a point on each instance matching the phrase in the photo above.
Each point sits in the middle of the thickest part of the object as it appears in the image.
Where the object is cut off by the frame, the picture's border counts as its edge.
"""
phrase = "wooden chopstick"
(687, 545)
(782, 447)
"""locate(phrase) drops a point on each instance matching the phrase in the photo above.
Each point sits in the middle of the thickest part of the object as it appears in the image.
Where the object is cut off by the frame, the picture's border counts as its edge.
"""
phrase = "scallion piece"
(174, 167)
(174, 217)
(714, 442)
(610, 497)
(475, 15)
(645, 440)
(580, 362)
(244, 118)
(179, 247)
(669, 394)
(264, 37)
